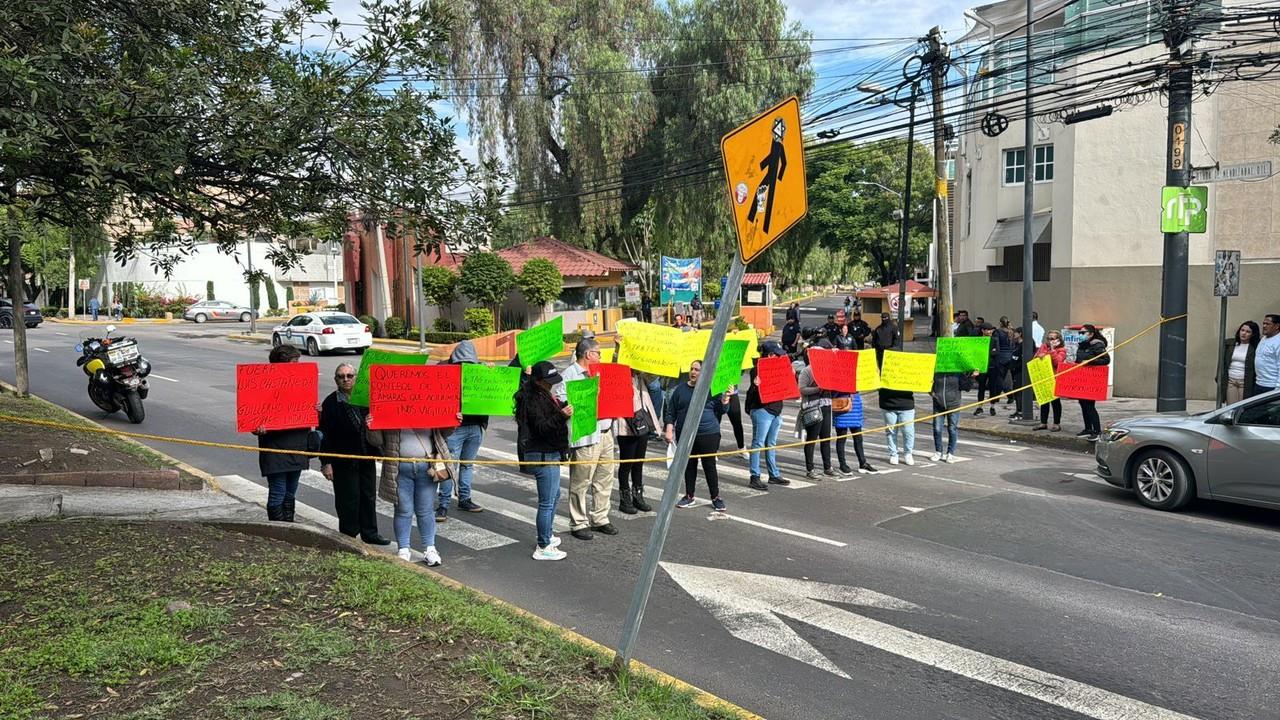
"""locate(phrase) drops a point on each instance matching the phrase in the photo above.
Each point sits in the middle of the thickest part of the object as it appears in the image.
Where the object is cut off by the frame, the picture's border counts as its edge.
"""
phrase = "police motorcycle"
(117, 373)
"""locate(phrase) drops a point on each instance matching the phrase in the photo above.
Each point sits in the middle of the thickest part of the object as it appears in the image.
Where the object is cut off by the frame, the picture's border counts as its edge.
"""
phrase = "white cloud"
(877, 18)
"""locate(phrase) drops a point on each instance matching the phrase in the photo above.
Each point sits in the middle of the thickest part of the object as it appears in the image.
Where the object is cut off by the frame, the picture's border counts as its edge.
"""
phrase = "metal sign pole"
(675, 474)
(1223, 381)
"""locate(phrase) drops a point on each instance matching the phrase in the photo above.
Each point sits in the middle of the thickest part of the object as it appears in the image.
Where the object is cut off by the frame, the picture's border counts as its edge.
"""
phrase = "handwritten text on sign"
(360, 391)
(963, 354)
(834, 369)
(907, 371)
(616, 396)
(277, 396)
(777, 380)
(868, 371)
(649, 348)
(1040, 371)
(729, 366)
(540, 342)
(1087, 382)
(425, 397)
(489, 390)
(582, 395)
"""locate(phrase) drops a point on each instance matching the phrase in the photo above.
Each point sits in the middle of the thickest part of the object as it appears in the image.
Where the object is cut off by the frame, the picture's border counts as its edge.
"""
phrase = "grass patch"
(304, 645)
(283, 706)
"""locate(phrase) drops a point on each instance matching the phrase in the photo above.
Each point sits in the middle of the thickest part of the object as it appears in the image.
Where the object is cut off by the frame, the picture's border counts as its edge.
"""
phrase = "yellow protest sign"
(764, 166)
(649, 348)
(1040, 371)
(693, 347)
(907, 371)
(868, 374)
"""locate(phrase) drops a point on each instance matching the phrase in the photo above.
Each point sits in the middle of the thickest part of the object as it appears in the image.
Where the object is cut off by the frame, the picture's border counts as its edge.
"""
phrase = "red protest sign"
(1088, 382)
(777, 380)
(615, 399)
(276, 396)
(834, 369)
(414, 396)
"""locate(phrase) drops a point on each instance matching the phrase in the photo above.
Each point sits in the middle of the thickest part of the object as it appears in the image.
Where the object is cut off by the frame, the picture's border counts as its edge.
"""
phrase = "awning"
(1008, 231)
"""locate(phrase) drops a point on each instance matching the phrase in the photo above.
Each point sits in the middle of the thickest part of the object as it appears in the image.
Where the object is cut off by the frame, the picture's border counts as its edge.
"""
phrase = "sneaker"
(549, 553)
(992, 409)
(977, 412)
(1083, 433)
(949, 458)
(755, 483)
(442, 515)
(605, 529)
(469, 506)
(555, 542)
(403, 554)
(830, 473)
(909, 459)
(775, 480)
(846, 470)
(893, 459)
(935, 457)
(684, 502)
(745, 455)
(582, 534)
(718, 505)
(1092, 437)
(813, 475)
(866, 468)
(431, 557)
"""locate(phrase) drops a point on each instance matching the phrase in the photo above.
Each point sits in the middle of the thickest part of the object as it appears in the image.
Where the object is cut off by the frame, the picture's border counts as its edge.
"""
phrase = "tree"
(540, 282)
(486, 279)
(213, 117)
(439, 287)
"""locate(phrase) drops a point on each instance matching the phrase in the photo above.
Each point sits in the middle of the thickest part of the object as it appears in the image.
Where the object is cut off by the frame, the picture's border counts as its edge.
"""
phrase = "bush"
(447, 338)
(395, 327)
(479, 321)
(288, 296)
(341, 307)
(208, 290)
(540, 282)
(272, 301)
(442, 324)
(372, 322)
(49, 311)
(276, 312)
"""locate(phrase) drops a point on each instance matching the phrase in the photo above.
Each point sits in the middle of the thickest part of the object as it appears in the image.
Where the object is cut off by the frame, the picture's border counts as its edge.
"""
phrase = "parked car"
(209, 310)
(1229, 454)
(320, 331)
(31, 314)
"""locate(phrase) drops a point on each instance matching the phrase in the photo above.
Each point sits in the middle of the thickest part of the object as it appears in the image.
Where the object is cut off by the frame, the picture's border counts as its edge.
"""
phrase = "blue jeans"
(952, 423)
(464, 444)
(282, 486)
(655, 395)
(764, 433)
(548, 479)
(893, 417)
(415, 495)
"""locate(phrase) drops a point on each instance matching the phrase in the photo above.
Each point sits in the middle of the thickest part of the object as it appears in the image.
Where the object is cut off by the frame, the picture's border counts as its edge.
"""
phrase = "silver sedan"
(211, 310)
(1230, 454)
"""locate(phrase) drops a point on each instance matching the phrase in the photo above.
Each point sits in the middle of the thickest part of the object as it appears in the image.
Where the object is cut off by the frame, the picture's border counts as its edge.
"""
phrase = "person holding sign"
(416, 479)
(1093, 346)
(1054, 349)
(899, 408)
(815, 417)
(847, 420)
(464, 444)
(946, 399)
(282, 470)
(540, 417)
(355, 482)
(676, 412)
(766, 420)
(591, 472)
(633, 442)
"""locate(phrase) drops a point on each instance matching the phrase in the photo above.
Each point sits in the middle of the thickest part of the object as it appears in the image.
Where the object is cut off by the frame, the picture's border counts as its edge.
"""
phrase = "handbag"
(811, 416)
(841, 405)
(314, 439)
(639, 423)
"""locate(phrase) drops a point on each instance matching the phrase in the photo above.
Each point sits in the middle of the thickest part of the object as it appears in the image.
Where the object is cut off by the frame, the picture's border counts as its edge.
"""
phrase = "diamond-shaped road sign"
(764, 166)
(1184, 209)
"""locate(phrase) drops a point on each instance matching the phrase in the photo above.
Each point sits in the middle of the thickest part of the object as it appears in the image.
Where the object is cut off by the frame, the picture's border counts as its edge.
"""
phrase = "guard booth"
(885, 300)
(756, 303)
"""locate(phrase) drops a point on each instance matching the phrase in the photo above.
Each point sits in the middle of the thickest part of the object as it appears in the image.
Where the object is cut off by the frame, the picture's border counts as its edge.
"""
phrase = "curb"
(1042, 439)
(138, 479)
(126, 321)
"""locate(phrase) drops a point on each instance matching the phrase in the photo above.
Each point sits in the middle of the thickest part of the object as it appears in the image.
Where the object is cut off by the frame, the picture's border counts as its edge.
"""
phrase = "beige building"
(1099, 250)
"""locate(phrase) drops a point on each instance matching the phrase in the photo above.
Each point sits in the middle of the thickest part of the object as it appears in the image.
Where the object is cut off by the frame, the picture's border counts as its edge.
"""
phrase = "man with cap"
(766, 420)
(592, 472)
(540, 419)
(885, 336)
(464, 444)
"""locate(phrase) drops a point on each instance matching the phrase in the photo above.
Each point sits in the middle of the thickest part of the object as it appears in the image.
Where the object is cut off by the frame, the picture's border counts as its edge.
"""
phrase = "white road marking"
(1089, 477)
(55, 332)
(9, 341)
(1007, 447)
(750, 605)
(161, 377)
(911, 509)
(39, 349)
(981, 485)
(785, 531)
(514, 510)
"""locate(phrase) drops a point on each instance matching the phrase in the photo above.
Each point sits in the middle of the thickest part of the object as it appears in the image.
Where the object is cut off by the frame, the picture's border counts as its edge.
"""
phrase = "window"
(1015, 165)
(339, 320)
(1267, 413)
(1010, 268)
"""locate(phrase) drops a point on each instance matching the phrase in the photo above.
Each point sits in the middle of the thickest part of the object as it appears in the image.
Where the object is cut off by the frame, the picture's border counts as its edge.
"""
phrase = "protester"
(424, 463)
(1015, 373)
(464, 444)
(1037, 330)
(592, 454)
(831, 329)
(646, 308)
(885, 337)
(282, 470)
(1239, 358)
(355, 482)
(1267, 356)
(946, 399)
(899, 406)
(815, 418)
(1054, 349)
(847, 419)
(845, 340)
(633, 441)
(860, 330)
(766, 420)
(678, 409)
(1093, 346)
(964, 327)
(695, 308)
(997, 366)
(734, 412)
(540, 417)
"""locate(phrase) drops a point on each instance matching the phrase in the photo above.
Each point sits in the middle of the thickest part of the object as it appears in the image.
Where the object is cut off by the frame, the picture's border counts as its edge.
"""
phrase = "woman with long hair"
(1093, 346)
(1238, 358)
(1054, 349)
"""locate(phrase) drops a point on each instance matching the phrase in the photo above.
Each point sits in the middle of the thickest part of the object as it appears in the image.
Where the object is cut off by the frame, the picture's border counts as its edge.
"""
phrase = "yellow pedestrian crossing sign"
(764, 168)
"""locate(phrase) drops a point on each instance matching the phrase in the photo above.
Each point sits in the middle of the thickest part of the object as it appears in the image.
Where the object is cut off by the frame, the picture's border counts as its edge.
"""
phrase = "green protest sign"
(540, 342)
(360, 391)
(582, 395)
(489, 390)
(729, 367)
(963, 354)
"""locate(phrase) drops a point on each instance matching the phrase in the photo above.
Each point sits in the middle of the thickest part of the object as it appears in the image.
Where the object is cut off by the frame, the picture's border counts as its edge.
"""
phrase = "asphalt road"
(1010, 585)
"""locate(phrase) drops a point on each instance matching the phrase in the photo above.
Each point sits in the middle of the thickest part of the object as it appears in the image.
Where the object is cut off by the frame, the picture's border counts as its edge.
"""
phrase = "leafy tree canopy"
(439, 285)
(486, 278)
(540, 281)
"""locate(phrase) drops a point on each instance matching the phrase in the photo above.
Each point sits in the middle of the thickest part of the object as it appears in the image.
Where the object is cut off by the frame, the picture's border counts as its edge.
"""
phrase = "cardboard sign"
(277, 396)
(753, 345)
(907, 371)
(1040, 372)
(777, 380)
(489, 390)
(694, 347)
(868, 375)
(649, 348)
(834, 369)
(540, 342)
(729, 366)
(583, 395)
(615, 399)
(1084, 382)
(360, 391)
(963, 354)
(424, 397)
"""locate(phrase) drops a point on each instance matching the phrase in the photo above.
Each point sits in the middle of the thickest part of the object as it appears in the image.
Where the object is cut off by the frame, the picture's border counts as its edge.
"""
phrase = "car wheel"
(275, 340)
(200, 318)
(1162, 481)
(6, 322)
(313, 349)
(244, 317)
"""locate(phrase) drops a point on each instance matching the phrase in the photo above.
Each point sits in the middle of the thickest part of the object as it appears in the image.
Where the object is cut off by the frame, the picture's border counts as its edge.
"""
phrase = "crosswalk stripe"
(994, 446)
(516, 511)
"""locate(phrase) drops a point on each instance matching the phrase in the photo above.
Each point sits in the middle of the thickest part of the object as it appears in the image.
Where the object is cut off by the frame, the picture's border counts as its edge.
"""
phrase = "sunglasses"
(346, 376)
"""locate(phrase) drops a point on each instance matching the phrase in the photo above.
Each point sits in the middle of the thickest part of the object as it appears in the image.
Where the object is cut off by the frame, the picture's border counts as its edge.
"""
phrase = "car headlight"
(1116, 434)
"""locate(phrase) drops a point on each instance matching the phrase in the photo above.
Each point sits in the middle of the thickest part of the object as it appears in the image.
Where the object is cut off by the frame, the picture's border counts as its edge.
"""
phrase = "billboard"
(681, 279)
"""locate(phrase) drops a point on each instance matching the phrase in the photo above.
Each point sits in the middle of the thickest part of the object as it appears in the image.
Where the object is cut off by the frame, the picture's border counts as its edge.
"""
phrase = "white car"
(317, 332)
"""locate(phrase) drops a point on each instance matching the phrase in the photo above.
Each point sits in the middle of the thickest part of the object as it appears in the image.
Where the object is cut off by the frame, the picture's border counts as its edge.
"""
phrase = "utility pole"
(71, 276)
(942, 217)
(1026, 402)
(1171, 384)
(906, 217)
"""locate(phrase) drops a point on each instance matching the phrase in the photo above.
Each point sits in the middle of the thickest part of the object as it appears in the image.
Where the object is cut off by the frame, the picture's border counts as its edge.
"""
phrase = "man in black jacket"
(860, 330)
(355, 482)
